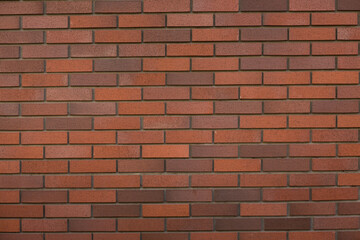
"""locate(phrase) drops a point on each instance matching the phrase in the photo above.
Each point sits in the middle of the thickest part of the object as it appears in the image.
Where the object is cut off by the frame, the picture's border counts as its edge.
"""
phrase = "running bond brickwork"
(179, 120)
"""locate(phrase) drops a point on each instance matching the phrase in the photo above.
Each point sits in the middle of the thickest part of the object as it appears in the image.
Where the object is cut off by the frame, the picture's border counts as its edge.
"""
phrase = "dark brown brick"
(286, 165)
(93, 225)
(164, 35)
(190, 224)
(214, 151)
(343, 106)
(191, 78)
(68, 123)
(272, 224)
(263, 5)
(263, 151)
(116, 210)
(198, 195)
(201, 210)
(43, 196)
(348, 5)
(124, 196)
(243, 224)
(117, 65)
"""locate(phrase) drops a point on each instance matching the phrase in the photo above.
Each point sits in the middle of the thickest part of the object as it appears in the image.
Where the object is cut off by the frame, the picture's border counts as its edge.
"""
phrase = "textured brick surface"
(179, 120)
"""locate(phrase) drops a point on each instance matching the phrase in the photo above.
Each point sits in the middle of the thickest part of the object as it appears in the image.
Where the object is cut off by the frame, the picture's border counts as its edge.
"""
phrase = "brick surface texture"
(179, 120)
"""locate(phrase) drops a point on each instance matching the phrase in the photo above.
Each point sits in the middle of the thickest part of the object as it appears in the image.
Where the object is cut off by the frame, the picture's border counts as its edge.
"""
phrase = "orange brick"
(69, 65)
(237, 165)
(194, 136)
(286, 19)
(334, 18)
(135, 21)
(268, 209)
(311, 34)
(311, 92)
(190, 49)
(286, 135)
(263, 180)
(117, 94)
(165, 151)
(189, 20)
(335, 77)
(162, 181)
(263, 121)
(318, 121)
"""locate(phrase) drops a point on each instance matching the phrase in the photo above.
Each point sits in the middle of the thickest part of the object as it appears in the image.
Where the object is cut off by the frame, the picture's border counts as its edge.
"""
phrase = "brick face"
(179, 119)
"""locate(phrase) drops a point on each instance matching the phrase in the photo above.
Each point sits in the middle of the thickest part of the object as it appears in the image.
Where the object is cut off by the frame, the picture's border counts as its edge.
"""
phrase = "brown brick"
(117, 36)
(263, 5)
(117, 7)
(240, 224)
(215, 5)
(165, 35)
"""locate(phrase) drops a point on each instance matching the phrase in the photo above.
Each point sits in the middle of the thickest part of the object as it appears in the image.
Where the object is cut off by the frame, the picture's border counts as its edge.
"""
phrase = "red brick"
(215, 35)
(334, 19)
(52, 51)
(148, 79)
(236, 136)
(72, 7)
(9, 52)
(190, 49)
(141, 50)
(349, 149)
(68, 152)
(166, 122)
(10, 196)
(318, 121)
(93, 21)
(340, 77)
(68, 123)
(123, 181)
(288, 165)
(44, 225)
(286, 19)
(237, 78)
(130, 21)
(92, 137)
(258, 63)
(262, 121)
(9, 225)
(21, 8)
(215, 5)
(94, 166)
(215, 64)
(237, 19)
(308, 5)
(300, 63)
(187, 20)
(348, 34)
(92, 108)
(55, 211)
(93, 51)
(56, 181)
(118, 94)
(9, 80)
(166, 64)
(10, 166)
(165, 151)
(267, 209)
(348, 92)
(312, 235)
(335, 135)
(305, 209)
(33, 22)
(117, 123)
(116, 151)
(189, 108)
(287, 107)
(334, 194)
(263, 235)
(117, 7)
(74, 36)
(290, 194)
(138, 225)
(215, 122)
(165, 181)
(69, 65)
(338, 48)
(336, 223)
(319, 150)
(20, 66)
(263, 5)
(237, 165)
(286, 135)
(312, 34)
(333, 164)
(71, 94)
(213, 235)
(178, 165)
(204, 93)
(10, 109)
(243, 107)
(223, 180)
(312, 180)
(285, 49)
(317, 92)
(166, 35)
(21, 37)
(263, 93)
(43, 166)
(41, 109)
(194, 136)
(166, 6)
(168, 210)
(9, 138)
(92, 196)
(136, 108)
(16, 152)
(11, 124)
(348, 121)
(44, 80)
(349, 179)
(263, 34)
(10, 22)
(169, 93)
(117, 36)
(13, 181)
(286, 78)
(263, 180)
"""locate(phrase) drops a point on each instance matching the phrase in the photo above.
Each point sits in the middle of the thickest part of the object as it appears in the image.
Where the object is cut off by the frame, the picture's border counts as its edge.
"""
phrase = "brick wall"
(179, 120)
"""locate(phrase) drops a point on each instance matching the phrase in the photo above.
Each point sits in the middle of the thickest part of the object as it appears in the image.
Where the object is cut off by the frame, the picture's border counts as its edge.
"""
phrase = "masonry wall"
(179, 120)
